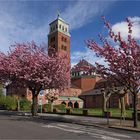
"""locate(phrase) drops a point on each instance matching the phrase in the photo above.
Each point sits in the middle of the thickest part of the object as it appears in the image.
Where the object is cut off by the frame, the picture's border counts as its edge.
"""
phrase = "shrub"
(25, 105)
(44, 107)
(10, 103)
(2, 101)
(60, 107)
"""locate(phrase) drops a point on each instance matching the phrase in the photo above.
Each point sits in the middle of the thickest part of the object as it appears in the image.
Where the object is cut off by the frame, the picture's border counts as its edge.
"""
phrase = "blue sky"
(22, 21)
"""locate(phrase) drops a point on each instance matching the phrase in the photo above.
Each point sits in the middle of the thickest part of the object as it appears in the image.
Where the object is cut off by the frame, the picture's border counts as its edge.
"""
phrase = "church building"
(84, 83)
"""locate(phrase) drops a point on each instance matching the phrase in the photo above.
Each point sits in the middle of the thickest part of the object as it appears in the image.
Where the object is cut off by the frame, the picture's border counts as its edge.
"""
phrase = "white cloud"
(12, 30)
(88, 55)
(123, 28)
(17, 25)
(82, 12)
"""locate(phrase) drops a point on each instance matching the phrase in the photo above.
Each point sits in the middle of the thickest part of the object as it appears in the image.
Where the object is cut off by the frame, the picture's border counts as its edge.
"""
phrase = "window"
(65, 39)
(66, 29)
(56, 26)
(51, 29)
(60, 26)
(63, 47)
(63, 28)
(53, 39)
(62, 38)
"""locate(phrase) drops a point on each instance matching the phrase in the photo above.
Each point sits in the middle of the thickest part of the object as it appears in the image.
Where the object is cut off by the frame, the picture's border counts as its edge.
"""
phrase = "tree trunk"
(50, 106)
(104, 105)
(34, 104)
(106, 95)
(18, 104)
(135, 110)
(122, 106)
(119, 103)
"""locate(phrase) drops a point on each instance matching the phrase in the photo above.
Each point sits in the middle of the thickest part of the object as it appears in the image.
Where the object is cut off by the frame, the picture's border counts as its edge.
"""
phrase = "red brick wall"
(93, 101)
(76, 82)
(58, 43)
(85, 83)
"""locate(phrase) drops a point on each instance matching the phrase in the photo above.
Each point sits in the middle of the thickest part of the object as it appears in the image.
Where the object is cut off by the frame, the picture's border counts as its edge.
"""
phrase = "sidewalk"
(92, 121)
(81, 120)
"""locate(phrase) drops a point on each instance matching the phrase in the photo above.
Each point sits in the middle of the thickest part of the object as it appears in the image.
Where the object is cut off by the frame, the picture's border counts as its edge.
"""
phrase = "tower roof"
(58, 18)
(59, 25)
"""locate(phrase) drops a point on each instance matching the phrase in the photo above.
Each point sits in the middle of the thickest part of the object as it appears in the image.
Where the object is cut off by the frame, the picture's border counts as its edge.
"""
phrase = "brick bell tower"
(59, 37)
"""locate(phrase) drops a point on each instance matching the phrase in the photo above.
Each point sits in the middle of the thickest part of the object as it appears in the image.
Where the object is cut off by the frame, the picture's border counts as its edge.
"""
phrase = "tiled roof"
(65, 98)
(97, 89)
(91, 92)
(83, 65)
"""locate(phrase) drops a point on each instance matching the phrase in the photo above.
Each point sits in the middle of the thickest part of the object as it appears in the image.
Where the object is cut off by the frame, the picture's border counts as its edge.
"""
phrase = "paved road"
(18, 127)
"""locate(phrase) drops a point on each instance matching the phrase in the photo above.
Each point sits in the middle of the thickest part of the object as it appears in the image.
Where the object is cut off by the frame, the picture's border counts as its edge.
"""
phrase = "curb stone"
(125, 128)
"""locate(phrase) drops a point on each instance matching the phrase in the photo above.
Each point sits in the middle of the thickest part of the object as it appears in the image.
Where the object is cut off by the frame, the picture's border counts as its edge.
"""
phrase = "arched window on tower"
(65, 39)
(62, 38)
(65, 48)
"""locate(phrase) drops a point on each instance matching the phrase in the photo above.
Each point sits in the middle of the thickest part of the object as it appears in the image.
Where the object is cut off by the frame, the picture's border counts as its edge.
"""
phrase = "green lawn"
(98, 112)
(115, 112)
